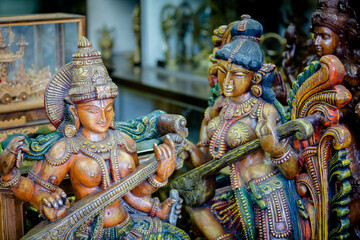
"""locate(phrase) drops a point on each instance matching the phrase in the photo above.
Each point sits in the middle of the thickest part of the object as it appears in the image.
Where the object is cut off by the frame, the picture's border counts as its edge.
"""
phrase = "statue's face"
(233, 79)
(96, 116)
(325, 41)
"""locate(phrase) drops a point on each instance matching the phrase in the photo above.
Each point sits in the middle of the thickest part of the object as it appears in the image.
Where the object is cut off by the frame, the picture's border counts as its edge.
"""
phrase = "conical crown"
(91, 80)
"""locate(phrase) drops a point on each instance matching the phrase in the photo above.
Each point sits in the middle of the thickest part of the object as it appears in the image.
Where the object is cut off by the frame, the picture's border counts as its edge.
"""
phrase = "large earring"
(113, 124)
(256, 90)
(70, 130)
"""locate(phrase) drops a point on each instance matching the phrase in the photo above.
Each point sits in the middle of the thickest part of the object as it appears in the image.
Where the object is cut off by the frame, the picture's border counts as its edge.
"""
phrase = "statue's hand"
(166, 156)
(165, 208)
(8, 156)
(279, 88)
(269, 140)
(55, 205)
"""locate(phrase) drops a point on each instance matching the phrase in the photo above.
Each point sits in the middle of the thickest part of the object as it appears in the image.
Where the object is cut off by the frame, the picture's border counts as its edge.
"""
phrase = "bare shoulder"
(270, 109)
(60, 152)
(125, 141)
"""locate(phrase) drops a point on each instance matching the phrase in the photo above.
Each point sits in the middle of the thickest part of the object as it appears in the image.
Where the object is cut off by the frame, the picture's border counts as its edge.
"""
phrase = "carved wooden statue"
(241, 114)
(288, 193)
(100, 161)
(336, 31)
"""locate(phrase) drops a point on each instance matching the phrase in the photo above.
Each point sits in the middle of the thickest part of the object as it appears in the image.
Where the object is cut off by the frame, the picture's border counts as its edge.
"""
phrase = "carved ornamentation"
(320, 94)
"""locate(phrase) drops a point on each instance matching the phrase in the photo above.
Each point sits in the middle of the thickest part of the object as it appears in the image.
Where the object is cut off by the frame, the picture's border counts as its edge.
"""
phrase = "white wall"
(115, 14)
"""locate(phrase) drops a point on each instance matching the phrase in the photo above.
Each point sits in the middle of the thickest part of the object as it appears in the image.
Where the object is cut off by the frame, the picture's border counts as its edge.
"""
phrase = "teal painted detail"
(285, 116)
(139, 129)
(340, 188)
(246, 212)
(308, 71)
(214, 94)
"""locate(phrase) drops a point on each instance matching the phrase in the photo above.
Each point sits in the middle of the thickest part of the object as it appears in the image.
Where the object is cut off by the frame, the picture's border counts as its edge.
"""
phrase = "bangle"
(155, 183)
(41, 211)
(225, 236)
(203, 144)
(35, 178)
(154, 207)
(15, 180)
(283, 158)
(44, 184)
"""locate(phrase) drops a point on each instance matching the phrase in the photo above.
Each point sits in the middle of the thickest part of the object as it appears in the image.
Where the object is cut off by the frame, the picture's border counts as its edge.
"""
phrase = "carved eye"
(239, 75)
(92, 111)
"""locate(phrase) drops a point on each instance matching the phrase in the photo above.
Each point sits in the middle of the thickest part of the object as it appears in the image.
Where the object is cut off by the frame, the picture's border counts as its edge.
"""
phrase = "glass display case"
(32, 49)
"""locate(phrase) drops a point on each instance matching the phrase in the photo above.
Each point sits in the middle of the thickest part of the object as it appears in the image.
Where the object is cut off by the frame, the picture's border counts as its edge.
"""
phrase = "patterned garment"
(270, 204)
(134, 227)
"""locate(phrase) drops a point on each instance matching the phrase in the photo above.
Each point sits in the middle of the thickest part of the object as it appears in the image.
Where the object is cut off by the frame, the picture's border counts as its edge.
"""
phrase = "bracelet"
(225, 236)
(283, 158)
(154, 207)
(203, 144)
(14, 181)
(41, 182)
(155, 183)
(41, 211)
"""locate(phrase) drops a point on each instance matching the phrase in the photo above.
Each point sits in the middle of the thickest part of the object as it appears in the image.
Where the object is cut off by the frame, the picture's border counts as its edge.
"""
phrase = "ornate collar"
(232, 109)
(97, 147)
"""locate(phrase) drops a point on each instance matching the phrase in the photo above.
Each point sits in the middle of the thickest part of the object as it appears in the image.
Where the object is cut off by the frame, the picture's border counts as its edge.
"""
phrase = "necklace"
(97, 147)
(235, 110)
(230, 113)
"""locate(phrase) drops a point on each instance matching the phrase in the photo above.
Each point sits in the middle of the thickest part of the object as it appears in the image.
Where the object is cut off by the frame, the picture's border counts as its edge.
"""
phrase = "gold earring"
(70, 130)
(256, 90)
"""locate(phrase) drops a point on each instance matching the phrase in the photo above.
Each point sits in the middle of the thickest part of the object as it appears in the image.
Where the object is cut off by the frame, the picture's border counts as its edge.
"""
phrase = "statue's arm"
(40, 188)
(281, 152)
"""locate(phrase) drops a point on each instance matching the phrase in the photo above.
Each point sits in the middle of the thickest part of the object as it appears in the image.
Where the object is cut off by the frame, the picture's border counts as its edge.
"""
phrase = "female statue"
(260, 201)
(79, 102)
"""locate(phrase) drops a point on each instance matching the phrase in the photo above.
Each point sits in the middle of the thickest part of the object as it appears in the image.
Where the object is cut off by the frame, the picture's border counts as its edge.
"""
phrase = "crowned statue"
(79, 103)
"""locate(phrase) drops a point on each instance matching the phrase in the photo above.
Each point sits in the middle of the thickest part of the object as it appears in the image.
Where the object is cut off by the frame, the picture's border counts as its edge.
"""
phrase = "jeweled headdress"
(333, 14)
(84, 79)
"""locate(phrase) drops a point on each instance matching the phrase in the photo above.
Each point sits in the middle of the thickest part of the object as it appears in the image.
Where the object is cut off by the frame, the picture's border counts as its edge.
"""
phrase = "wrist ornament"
(283, 158)
(45, 184)
(41, 210)
(225, 236)
(154, 208)
(203, 144)
(13, 182)
(156, 184)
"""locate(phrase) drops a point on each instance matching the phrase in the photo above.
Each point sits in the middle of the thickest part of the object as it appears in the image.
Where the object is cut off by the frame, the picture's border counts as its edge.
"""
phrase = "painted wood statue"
(336, 31)
(281, 187)
(101, 161)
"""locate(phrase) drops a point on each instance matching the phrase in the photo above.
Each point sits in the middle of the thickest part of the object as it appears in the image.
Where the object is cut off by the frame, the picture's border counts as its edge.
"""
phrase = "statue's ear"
(70, 130)
(75, 115)
(256, 78)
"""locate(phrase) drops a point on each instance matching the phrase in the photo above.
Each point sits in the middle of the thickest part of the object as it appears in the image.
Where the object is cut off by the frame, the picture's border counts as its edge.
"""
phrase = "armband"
(13, 182)
(49, 186)
(283, 158)
(155, 183)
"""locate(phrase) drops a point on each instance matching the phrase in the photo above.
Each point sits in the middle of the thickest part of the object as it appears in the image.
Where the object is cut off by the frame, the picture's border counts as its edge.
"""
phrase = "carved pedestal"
(11, 216)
